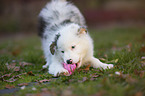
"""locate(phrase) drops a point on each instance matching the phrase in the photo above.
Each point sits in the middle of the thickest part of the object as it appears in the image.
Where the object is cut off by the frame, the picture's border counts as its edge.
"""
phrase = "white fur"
(69, 36)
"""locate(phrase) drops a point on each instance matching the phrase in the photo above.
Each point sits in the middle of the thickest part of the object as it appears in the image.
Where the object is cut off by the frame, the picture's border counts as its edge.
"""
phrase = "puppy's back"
(58, 13)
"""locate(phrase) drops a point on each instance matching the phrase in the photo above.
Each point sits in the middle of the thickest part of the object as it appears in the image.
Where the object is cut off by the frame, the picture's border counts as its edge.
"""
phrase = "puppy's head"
(72, 45)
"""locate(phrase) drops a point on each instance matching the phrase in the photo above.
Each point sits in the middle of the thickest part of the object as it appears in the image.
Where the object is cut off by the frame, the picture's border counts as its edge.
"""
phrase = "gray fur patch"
(53, 46)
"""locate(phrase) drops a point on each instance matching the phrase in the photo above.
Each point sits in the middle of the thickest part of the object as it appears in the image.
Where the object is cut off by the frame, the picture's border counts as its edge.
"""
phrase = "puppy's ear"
(52, 48)
(82, 31)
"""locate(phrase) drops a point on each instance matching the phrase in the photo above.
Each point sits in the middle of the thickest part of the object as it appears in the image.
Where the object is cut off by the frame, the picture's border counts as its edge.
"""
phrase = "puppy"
(65, 38)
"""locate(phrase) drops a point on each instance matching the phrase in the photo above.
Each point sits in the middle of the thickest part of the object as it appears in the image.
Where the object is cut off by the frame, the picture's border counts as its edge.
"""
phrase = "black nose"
(69, 61)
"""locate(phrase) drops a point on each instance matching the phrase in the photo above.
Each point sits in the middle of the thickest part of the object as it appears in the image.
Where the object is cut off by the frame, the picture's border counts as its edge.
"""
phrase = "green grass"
(110, 44)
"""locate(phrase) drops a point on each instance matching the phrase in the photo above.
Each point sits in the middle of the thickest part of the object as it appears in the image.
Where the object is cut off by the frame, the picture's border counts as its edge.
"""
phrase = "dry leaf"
(45, 80)
(44, 89)
(110, 75)
(23, 84)
(11, 80)
(139, 73)
(114, 48)
(95, 75)
(139, 94)
(6, 75)
(102, 59)
(124, 76)
(105, 55)
(116, 60)
(24, 64)
(142, 49)
(87, 68)
(101, 71)
(13, 66)
(112, 61)
(16, 52)
(30, 73)
(128, 78)
(17, 68)
(131, 80)
(136, 72)
(10, 86)
(84, 79)
(143, 63)
(142, 73)
(71, 80)
(92, 79)
(13, 77)
(129, 47)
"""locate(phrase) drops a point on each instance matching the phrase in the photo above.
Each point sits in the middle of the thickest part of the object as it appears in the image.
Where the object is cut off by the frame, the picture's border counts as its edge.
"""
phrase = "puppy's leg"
(45, 66)
(48, 58)
(56, 68)
(96, 63)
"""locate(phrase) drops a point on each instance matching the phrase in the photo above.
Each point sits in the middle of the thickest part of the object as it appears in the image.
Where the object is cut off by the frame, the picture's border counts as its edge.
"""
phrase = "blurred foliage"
(9, 26)
(21, 15)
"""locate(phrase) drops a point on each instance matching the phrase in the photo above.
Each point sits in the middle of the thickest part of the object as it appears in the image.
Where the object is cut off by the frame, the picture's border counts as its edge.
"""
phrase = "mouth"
(77, 64)
(71, 67)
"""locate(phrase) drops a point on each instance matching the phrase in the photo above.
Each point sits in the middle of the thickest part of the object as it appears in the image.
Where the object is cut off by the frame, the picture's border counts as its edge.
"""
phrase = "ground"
(21, 63)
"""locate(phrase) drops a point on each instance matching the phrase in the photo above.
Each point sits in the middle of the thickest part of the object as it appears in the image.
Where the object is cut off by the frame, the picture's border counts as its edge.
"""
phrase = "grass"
(121, 46)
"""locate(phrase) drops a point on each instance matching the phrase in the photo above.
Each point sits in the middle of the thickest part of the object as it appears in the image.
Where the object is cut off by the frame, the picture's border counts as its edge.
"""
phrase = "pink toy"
(70, 67)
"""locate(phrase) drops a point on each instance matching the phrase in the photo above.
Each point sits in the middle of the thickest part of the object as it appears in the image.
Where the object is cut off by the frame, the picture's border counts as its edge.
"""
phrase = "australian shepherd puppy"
(65, 38)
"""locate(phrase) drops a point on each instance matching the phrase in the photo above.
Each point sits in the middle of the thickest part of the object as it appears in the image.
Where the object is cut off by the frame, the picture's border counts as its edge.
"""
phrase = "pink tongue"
(70, 67)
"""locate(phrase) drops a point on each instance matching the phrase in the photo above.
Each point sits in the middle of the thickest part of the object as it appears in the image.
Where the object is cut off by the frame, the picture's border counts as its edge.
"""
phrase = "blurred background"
(20, 16)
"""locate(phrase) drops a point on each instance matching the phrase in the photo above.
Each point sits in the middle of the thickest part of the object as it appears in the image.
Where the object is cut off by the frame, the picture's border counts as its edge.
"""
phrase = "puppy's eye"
(62, 51)
(73, 47)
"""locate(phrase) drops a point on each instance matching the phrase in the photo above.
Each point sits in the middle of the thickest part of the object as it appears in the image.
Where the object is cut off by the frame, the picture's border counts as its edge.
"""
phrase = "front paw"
(58, 71)
(45, 66)
(108, 66)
